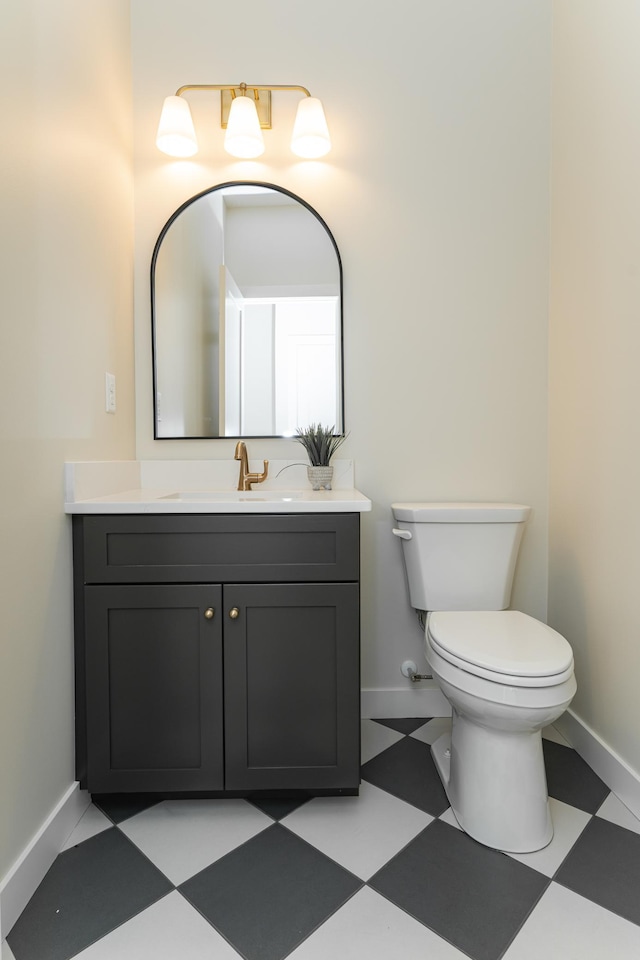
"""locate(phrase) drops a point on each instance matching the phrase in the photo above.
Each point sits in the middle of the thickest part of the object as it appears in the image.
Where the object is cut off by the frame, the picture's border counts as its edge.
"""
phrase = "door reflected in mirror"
(246, 298)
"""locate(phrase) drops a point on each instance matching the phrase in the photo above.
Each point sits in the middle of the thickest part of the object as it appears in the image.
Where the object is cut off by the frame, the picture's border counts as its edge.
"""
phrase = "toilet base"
(496, 786)
(441, 753)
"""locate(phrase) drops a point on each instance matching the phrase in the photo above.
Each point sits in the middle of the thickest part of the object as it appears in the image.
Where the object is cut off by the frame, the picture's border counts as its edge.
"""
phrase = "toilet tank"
(460, 556)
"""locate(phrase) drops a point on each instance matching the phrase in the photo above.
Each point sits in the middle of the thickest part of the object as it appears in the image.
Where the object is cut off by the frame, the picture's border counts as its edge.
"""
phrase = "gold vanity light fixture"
(245, 111)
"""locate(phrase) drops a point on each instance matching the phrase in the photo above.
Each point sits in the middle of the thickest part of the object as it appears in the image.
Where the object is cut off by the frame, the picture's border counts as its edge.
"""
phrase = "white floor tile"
(183, 836)
(568, 824)
(433, 729)
(550, 733)
(370, 927)
(449, 817)
(565, 926)
(5, 951)
(375, 737)
(615, 811)
(168, 929)
(361, 833)
(92, 822)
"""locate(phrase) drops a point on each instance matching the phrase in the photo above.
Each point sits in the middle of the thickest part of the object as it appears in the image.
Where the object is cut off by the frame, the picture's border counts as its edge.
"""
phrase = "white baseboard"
(26, 874)
(616, 772)
(423, 699)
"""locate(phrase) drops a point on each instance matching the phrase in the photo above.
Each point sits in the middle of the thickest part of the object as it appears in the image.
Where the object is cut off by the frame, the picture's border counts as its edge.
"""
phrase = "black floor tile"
(571, 780)
(604, 866)
(121, 806)
(407, 771)
(474, 897)
(89, 890)
(278, 807)
(269, 894)
(406, 725)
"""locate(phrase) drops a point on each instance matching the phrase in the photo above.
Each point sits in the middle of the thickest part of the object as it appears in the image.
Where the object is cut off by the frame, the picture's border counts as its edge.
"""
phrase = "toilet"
(505, 674)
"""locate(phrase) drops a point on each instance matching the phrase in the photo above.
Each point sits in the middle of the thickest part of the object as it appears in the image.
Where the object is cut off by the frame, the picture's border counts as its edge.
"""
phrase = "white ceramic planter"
(320, 477)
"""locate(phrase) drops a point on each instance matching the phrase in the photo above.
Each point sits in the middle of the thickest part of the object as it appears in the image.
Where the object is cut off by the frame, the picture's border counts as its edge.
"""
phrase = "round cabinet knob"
(209, 612)
(234, 613)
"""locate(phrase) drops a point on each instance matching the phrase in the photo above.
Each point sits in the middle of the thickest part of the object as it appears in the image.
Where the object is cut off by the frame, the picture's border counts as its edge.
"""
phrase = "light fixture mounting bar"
(239, 86)
(260, 92)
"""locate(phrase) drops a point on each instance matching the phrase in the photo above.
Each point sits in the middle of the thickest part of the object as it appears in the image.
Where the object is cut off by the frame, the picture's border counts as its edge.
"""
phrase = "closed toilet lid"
(500, 641)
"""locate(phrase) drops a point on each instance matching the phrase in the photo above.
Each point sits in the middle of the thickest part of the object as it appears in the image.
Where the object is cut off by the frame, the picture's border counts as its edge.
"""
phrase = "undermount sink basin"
(236, 496)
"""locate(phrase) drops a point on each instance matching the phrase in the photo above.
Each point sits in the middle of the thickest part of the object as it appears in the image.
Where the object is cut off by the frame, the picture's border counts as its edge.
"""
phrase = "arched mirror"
(246, 309)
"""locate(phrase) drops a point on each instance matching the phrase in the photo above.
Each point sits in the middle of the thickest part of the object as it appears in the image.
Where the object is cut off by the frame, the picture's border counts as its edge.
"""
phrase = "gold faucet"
(245, 479)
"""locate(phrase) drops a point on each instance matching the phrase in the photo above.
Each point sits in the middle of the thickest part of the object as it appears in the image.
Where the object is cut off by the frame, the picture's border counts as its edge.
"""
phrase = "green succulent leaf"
(320, 443)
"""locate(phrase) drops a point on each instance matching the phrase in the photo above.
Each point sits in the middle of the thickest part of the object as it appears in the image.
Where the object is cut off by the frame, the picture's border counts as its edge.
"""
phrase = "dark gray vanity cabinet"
(218, 653)
(291, 683)
(153, 688)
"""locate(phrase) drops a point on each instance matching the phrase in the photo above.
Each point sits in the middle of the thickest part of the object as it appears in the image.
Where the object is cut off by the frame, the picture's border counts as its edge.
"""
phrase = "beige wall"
(594, 355)
(437, 193)
(66, 318)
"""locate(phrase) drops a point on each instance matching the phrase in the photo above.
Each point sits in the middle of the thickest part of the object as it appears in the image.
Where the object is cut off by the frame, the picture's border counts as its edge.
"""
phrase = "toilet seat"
(504, 646)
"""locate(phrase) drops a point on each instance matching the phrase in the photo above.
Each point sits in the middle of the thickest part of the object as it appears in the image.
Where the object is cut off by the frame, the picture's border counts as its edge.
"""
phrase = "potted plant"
(320, 443)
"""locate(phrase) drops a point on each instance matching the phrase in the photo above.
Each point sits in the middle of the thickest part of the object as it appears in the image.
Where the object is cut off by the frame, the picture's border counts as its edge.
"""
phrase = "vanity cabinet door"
(292, 685)
(153, 670)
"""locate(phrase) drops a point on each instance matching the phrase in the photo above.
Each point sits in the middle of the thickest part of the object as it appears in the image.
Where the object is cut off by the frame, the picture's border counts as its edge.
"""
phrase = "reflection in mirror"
(246, 305)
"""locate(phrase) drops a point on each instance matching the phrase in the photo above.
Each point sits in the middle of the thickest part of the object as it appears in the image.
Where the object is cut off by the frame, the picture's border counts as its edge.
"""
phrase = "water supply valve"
(410, 670)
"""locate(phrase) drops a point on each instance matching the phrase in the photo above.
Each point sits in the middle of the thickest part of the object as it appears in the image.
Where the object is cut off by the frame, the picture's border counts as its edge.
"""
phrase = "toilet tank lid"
(468, 512)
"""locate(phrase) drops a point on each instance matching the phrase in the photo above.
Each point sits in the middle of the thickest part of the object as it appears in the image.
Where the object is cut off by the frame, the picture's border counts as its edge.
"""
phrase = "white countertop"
(218, 501)
(189, 487)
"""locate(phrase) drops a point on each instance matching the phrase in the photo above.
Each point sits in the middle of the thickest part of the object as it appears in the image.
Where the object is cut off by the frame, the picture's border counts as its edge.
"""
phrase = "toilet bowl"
(505, 674)
(491, 765)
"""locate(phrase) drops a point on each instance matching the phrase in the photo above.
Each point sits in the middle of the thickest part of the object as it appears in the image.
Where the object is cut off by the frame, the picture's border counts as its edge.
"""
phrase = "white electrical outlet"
(110, 392)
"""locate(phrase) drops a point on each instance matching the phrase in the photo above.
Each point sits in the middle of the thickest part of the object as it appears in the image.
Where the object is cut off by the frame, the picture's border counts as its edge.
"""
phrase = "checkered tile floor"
(384, 875)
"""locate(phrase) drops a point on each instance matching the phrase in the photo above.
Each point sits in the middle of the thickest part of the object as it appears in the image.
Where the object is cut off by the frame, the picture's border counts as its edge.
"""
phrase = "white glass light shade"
(176, 135)
(243, 137)
(310, 138)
